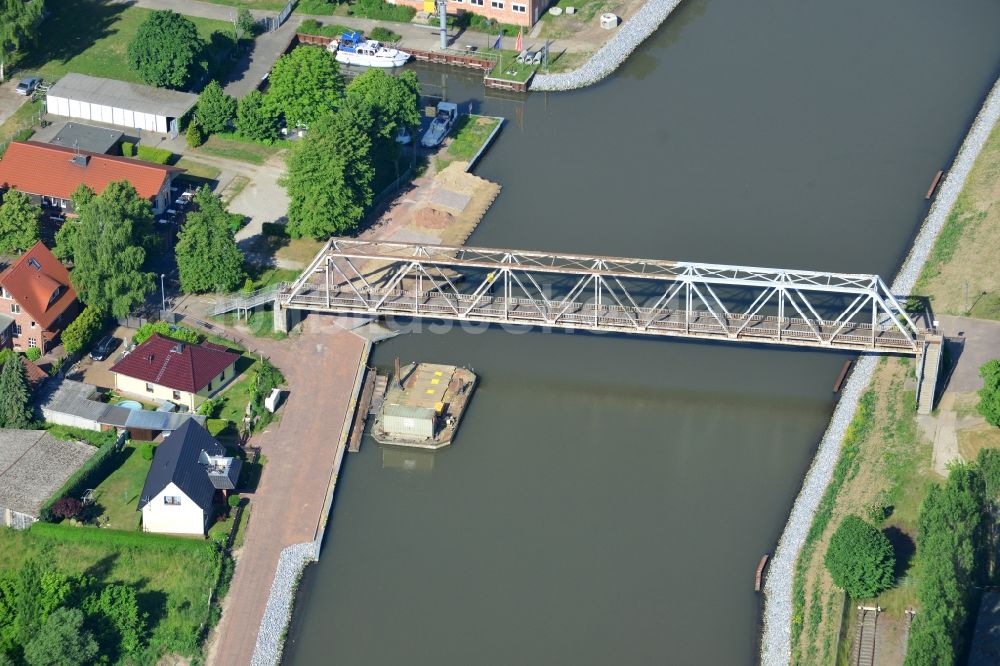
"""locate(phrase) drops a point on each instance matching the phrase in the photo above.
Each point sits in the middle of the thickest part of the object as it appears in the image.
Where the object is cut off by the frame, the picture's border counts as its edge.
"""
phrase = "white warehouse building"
(119, 103)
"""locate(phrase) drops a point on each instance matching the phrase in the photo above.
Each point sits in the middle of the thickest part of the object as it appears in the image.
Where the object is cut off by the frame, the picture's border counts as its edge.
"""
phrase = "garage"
(119, 103)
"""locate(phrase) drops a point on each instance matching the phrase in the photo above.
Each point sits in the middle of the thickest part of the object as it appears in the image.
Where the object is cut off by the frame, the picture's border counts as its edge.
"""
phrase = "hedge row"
(87, 535)
(150, 154)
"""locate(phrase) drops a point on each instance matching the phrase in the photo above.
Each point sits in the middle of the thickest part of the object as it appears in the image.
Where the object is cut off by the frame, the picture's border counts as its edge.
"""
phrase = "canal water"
(608, 498)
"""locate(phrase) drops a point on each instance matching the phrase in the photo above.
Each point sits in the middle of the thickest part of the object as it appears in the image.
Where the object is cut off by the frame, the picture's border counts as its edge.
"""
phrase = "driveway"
(9, 101)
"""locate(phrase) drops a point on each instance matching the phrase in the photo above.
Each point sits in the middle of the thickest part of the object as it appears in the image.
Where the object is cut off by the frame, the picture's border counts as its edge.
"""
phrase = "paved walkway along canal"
(608, 499)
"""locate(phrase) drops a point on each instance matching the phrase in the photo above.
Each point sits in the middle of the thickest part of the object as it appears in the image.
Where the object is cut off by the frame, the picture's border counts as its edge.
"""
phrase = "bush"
(194, 137)
(380, 10)
(182, 333)
(23, 135)
(234, 501)
(146, 451)
(482, 24)
(81, 331)
(67, 507)
(860, 558)
(215, 110)
(128, 149)
(314, 27)
(989, 395)
(33, 354)
(209, 407)
(151, 154)
(384, 35)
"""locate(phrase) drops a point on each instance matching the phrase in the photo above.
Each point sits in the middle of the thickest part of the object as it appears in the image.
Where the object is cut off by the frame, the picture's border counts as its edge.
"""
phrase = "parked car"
(28, 85)
(104, 348)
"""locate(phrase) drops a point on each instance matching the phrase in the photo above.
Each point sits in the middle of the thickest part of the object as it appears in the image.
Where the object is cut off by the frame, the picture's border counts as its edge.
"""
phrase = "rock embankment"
(608, 58)
(271, 637)
(776, 641)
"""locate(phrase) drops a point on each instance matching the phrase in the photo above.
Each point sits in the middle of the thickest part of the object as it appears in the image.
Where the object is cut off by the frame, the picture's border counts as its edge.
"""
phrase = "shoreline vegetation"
(884, 473)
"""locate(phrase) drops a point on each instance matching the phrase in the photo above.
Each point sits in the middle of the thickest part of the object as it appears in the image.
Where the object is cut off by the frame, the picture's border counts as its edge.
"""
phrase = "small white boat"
(447, 113)
(353, 49)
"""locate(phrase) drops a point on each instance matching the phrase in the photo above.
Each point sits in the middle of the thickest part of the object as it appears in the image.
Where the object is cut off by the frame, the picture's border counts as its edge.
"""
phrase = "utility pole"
(163, 294)
(442, 6)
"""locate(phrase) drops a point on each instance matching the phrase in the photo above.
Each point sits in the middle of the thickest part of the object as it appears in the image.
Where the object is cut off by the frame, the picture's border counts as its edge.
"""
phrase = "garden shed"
(119, 103)
(33, 466)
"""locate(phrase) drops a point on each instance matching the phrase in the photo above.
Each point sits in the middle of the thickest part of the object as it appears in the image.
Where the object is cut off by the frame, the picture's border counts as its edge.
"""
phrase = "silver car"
(28, 85)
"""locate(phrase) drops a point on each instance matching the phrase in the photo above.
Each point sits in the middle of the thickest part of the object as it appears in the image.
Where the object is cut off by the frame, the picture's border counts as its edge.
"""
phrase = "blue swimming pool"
(130, 404)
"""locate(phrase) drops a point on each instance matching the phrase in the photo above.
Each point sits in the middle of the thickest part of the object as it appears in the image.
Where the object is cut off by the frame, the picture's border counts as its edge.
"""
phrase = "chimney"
(399, 377)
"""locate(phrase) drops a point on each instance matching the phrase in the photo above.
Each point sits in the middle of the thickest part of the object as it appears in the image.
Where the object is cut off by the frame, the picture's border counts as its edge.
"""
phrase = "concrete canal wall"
(776, 641)
(615, 51)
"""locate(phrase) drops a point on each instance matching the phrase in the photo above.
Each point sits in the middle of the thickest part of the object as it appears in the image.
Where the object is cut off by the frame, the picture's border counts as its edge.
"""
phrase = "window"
(4, 292)
(149, 388)
(478, 3)
(33, 325)
(170, 500)
(34, 264)
(15, 308)
(177, 395)
(520, 9)
(17, 330)
(496, 5)
(32, 343)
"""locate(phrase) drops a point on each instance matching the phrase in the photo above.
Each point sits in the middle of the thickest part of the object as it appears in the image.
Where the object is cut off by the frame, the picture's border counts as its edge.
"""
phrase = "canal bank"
(550, 532)
(780, 607)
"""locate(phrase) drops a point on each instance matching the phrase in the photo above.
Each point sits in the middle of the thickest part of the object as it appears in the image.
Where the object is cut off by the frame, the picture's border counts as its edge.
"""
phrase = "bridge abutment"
(280, 317)
(930, 369)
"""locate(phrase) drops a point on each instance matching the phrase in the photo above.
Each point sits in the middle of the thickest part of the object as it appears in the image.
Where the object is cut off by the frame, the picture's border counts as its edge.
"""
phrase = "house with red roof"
(50, 174)
(162, 368)
(37, 300)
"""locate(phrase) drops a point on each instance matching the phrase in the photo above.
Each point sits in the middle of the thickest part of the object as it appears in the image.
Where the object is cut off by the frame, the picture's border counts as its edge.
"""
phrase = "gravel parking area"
(776, 642)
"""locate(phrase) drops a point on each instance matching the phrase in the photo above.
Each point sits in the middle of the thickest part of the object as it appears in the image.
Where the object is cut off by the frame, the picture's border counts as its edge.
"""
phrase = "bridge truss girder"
(614, 294)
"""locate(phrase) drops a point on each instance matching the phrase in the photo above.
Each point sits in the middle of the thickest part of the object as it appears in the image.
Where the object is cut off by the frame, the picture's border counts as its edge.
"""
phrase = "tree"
(14, 409)
(121, 626)
(244, 23)
(66, 235)
(34, 594)
(860, 558)
(18, 222)
(62, 641)
(330, 174)
(395, 100)
(215, 109)
(306, 85)
(256, 120)
(989, 395)
(18, 26)
(81, 331)
(165, 50)
(208, 258)
(182, 333)
(194, 136)
(108, 251)
(67, 507)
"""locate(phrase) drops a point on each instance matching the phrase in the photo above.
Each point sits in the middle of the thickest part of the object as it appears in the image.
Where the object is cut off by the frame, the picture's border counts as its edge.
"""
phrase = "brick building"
(50, 174)
(37, 301)
(519, 12)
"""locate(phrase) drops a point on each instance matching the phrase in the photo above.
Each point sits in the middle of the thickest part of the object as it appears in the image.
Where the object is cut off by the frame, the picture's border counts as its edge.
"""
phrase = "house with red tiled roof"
(37, 300)
(50, 174)
(162, 368)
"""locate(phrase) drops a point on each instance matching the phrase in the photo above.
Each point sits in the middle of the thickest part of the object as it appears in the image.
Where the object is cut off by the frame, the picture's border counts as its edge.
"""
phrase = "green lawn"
(92, 36)
(117, 497)
(510, 69)
(471, 133)
(198, 170)
(172, 576)
(244, 151)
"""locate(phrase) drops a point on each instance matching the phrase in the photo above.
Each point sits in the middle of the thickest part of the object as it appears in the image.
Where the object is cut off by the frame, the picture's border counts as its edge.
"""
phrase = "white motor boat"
(447, 113)
(353, 49)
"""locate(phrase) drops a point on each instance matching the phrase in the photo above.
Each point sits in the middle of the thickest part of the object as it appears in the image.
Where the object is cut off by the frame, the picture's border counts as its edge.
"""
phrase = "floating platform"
(424, 406)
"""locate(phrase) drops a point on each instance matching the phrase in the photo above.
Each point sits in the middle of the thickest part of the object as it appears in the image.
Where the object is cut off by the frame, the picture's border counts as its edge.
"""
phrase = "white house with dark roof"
(189, 468)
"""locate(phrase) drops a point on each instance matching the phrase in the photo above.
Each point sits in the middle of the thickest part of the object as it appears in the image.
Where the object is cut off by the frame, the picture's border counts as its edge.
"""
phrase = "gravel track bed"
(776, 641)
(271, 637)
(614, 52)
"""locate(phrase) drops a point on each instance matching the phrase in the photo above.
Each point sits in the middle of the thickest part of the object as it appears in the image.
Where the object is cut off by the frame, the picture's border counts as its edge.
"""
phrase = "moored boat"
(447, 113)
(353, 49)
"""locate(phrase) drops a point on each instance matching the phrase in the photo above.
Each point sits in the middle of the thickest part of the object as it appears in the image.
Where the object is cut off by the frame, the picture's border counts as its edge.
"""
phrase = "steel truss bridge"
(611, 294)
